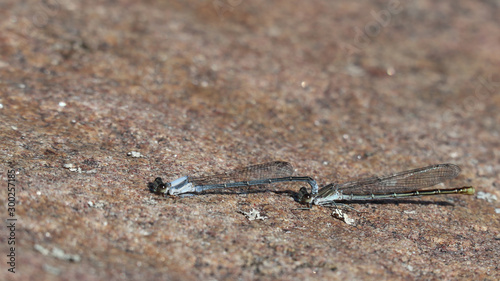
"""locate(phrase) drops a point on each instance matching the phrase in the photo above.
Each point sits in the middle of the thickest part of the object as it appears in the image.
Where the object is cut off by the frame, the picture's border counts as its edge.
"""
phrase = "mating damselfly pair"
(398, 185)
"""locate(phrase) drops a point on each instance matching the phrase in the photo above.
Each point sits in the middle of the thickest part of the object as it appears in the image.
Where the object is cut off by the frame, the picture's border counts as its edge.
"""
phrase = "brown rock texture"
(99, 98)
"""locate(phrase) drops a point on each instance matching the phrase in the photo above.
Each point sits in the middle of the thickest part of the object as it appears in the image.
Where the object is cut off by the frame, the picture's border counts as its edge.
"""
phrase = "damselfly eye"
(157, 185)
(304, 196)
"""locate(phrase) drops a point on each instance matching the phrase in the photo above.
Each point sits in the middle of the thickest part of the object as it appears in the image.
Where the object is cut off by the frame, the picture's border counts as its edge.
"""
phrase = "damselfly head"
(304, 196)
(158, 186)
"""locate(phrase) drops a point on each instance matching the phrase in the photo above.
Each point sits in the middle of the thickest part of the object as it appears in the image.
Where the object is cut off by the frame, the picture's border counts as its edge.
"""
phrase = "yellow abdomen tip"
(469, 190)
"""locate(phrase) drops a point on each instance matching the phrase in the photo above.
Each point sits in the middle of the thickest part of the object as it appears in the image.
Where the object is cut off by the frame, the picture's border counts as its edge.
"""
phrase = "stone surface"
(340, 89)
